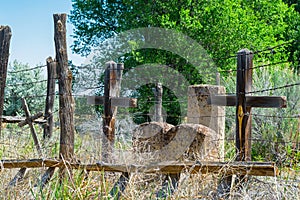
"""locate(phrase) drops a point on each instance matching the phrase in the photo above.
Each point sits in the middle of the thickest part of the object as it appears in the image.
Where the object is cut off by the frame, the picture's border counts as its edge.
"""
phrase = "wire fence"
(88, 119)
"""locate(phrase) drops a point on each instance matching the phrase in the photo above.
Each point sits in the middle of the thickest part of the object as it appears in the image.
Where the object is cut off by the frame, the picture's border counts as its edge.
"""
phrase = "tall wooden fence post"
(5, 36)
(51, 75)
(66, 101)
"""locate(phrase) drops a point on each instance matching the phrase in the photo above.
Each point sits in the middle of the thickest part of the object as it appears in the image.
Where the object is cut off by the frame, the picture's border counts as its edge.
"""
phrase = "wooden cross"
(244, 102)
(111, 100)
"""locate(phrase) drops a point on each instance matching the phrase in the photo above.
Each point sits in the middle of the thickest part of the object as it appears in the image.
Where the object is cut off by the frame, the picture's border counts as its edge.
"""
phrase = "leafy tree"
(22, 83)
(222, 27)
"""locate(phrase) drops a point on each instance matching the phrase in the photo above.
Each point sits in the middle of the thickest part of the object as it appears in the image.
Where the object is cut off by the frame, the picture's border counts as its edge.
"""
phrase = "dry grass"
(97, 185)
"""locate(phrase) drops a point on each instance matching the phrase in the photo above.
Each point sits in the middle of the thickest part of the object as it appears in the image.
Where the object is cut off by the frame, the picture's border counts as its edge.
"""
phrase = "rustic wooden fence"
(58, 69)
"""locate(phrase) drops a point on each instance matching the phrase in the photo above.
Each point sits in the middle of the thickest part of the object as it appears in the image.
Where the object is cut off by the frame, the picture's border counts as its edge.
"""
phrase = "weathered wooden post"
(243, 111)
(48, 115)
(112, 81)
(5, 35)
(111, 100)
(200, 112)
(66, 101)
(158, 92)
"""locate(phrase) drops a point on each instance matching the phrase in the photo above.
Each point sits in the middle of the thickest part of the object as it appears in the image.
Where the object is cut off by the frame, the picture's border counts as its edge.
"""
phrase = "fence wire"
(89, 123)
(26, 70)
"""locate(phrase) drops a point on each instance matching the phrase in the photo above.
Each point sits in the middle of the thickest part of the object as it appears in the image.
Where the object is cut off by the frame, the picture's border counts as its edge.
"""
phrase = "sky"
(32, 27)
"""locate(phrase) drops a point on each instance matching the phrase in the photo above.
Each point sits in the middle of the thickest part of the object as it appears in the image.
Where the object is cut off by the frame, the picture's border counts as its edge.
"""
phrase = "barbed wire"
(24, 70)
(275, 47)
(268, 50)
(29, 83)
(271, 64)
(276, 116)
(275, 88)
(28, 96)
(255, 67)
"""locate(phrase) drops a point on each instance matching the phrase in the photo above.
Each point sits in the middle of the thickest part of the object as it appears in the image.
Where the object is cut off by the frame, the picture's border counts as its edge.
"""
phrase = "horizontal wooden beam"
(16, 119)
(228, 168)
(251, 101)
(115, 101)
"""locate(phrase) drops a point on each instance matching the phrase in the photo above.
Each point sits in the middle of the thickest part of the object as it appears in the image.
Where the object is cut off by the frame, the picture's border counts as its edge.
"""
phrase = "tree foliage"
(222, 27)
(22, 83)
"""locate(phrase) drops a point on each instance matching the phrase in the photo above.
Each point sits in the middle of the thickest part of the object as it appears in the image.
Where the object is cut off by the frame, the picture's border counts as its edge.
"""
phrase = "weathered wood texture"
(120, 101)
(212, 116)
(66, 101)
(47, 176)
(17, 119)
(243, 111)
(158, 93)
(251, 101)
(32, 130)
(18, 177)
(112, 84)
(240, 168)
(30, 119)
(5, 36)
(21, 173)
(48, 116)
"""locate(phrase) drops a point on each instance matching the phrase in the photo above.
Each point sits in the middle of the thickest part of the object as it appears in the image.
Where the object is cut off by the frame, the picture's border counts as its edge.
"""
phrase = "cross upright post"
(110, 101)
(244, 102)
(243, 111)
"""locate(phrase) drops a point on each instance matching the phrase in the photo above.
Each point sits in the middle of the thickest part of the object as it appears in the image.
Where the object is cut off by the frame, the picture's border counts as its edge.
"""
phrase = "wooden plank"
(5, 36)
(115, 101)
(17, 119)
(49, 104)
(252, 101)
(228, 168)
(66, 101)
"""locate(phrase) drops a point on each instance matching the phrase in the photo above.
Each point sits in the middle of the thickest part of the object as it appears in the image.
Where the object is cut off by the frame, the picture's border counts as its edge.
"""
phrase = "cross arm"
(30, 118)
(115, 101)
(251, 101)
